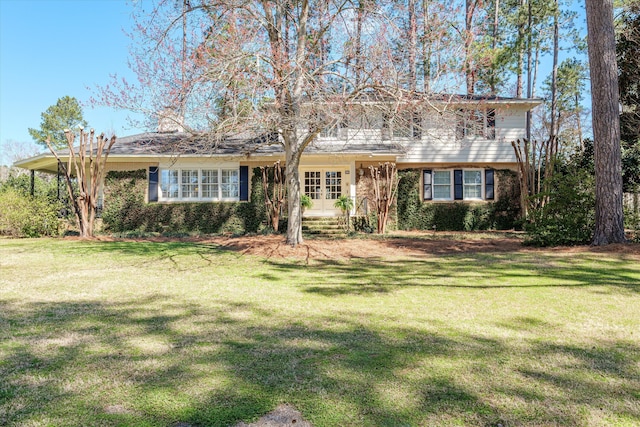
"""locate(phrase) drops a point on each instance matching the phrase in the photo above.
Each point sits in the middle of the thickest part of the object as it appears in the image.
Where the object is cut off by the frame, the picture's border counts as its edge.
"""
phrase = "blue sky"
(53, 48)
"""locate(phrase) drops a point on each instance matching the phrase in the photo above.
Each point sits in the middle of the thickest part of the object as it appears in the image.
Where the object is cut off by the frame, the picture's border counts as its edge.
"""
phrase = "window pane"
(442, 184)
(402, 125)
(472, 184)
(441, 191)
(442, 177)
(169, 184)
(333, 185)
(312, 182)
(189, 183)
(472, 177)
(210, 187)
(229, 185)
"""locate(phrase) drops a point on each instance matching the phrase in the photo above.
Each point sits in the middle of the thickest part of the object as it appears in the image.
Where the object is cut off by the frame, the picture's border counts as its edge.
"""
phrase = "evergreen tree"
(65, 114)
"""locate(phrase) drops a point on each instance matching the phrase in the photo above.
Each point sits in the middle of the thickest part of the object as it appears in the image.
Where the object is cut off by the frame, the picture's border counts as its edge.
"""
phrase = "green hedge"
(125, 210)
(414, 214)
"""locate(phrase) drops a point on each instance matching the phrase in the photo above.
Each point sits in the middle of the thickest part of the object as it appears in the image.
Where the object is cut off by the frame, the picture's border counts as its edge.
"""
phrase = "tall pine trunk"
(426, 48)
(521, 48)
(609, 225)
(413, 45)
(469, 66)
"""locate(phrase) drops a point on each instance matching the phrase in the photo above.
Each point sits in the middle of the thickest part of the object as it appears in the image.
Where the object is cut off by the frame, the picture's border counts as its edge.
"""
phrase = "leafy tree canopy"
(65, 114)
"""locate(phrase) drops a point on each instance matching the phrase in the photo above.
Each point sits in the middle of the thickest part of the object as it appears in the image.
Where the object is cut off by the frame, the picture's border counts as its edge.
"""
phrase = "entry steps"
(330, 226)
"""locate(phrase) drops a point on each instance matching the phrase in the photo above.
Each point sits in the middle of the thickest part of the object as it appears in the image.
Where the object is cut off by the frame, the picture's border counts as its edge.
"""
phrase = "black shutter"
(153, 183)
(244, 183)
(488, 184)
(428, 187)
(458, 193)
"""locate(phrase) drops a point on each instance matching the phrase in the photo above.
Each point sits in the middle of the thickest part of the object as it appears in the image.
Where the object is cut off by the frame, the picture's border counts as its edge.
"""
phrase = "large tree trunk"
(609, 227)
(292, 175)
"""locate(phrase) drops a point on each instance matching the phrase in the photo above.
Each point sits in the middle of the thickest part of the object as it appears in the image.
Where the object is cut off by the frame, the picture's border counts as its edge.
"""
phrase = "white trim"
(451, 197)
(199, 169)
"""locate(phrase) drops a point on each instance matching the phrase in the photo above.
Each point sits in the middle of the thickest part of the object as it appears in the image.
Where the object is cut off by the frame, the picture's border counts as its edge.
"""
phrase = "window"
(416, 123)
(458, 184)
(210, 183)
(333, 185)
(386, 127)
(406, 124)
(338, 130)
(312, 181)
(169, 184)
(476, 124)
(229, 183)
(330, 132)
(472, 188)
(402, 126)
(191, 184)
(441, 185)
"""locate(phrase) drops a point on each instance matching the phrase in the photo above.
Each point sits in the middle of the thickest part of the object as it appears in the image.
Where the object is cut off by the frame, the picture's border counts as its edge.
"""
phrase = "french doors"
(324, 187)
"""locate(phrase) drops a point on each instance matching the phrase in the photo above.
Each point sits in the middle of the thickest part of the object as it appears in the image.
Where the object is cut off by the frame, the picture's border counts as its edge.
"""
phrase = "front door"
(324, 186)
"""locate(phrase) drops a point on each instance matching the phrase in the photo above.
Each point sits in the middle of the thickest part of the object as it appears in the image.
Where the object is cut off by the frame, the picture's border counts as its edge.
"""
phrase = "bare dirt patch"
(282, 416)
(397, 245)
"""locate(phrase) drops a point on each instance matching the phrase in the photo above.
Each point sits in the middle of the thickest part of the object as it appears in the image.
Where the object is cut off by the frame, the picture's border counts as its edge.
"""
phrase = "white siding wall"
(472, 152)
(438, 143)
(511, 124)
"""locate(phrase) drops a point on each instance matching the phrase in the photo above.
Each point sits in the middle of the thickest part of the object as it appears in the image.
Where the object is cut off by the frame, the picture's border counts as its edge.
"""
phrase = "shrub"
(363, 223)
(632, 223)
(25, 216)
(45, 186)
(124, 200)
(568, 218)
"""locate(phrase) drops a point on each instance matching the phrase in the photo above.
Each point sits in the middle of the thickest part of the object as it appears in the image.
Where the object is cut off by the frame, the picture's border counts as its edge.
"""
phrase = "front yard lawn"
(124, 333)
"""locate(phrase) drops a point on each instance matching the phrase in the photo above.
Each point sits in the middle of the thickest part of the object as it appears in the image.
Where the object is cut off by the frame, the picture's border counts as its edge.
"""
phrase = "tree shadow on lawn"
(141, 253)
(160, 362)
(469, 271)
(376, 275)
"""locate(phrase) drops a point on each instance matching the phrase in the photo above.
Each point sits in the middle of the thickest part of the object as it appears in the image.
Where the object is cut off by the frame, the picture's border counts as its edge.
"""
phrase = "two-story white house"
(457, 144)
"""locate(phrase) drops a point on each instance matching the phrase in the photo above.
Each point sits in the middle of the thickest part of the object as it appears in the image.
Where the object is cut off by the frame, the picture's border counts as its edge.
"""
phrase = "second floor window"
(476, 124)
(403, 125)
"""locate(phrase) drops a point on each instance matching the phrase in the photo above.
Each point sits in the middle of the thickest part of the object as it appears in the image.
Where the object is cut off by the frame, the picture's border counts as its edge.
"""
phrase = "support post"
(33, 182)
(58, 179)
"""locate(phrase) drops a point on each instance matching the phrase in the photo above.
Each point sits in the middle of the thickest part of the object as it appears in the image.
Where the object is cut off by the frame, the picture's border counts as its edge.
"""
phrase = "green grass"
(167, 334)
